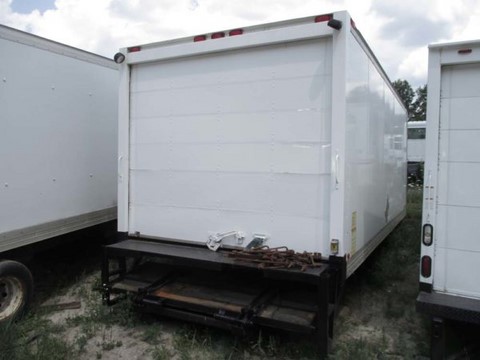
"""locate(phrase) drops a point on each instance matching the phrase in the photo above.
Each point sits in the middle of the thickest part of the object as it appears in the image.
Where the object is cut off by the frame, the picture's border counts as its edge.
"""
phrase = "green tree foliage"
(404, 89)
(420, 104)
(414, 101)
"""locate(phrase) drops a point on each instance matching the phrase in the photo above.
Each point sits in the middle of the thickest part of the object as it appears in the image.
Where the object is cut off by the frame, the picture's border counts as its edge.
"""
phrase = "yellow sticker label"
(354, 232)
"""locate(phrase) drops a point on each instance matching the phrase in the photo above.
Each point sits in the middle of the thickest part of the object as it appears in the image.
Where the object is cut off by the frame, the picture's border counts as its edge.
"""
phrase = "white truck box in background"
(58, 140)
(450, 250)
(416, 141)
(284, 134)
(415, 149)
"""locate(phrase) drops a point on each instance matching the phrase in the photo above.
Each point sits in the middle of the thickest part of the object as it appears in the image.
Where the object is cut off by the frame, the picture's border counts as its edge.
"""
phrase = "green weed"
(33, 338)
(151, 334)
(160, 353)
(81, 342)
(361, 349)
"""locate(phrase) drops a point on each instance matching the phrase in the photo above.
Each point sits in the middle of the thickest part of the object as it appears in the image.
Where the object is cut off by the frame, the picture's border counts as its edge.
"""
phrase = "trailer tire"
(16, 290)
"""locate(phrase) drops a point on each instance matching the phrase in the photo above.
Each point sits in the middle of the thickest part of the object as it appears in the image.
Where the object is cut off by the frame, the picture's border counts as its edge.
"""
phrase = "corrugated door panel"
(235, 141)
(458, 229)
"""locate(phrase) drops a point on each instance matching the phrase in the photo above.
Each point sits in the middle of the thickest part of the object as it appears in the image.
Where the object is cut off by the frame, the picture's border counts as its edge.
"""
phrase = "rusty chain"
(278, 258)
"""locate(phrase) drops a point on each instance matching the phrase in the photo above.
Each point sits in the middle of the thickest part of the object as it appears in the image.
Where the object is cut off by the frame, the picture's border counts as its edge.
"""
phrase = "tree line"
(414, 100)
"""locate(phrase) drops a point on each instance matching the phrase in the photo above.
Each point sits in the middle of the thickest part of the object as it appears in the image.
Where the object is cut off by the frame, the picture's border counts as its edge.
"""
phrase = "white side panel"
(416, 150)
(58, 135)
(452, 277)
(234, 141)
(375, 172)
(457, 245)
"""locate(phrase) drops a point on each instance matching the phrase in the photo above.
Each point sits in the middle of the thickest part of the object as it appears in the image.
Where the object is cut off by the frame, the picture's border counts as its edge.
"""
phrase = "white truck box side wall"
(58, 138)
(375, 170)
(236, 140)
(458, 201)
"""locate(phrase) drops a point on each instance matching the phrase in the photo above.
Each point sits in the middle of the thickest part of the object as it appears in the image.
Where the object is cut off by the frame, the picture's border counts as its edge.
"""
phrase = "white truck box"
(450, 250)
(284, 134)
(415, 148)
(58, 139)
(416, 141)
(290, 130)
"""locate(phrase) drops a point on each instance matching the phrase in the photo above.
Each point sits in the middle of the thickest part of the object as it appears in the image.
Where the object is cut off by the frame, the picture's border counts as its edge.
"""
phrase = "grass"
(160, 353)
(359, 349)
(377, 317)
(152, 333)
(379, 303)
(393, 260)
(34, 338)
(199, 342)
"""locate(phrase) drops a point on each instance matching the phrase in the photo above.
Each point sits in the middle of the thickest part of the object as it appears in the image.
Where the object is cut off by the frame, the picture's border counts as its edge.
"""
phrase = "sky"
(397, 31)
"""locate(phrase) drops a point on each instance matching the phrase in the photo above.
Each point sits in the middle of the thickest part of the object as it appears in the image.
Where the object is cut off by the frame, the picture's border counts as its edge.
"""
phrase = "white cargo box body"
(57, 141)
(452, 196)
(289, 132)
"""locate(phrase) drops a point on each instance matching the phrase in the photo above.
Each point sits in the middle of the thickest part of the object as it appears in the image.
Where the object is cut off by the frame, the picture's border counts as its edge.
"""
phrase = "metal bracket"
(215, 240)
(258, 240)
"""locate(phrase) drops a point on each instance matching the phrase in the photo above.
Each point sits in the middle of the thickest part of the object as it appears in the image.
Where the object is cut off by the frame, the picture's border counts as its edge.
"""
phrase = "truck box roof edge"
(12, 34)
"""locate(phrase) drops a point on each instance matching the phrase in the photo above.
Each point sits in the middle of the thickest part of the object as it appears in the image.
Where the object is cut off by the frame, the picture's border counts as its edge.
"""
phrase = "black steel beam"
(191, 317)
(195, 256)
(449, 307)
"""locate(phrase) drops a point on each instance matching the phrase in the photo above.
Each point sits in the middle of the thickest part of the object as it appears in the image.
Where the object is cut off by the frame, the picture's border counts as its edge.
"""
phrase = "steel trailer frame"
(158, 264)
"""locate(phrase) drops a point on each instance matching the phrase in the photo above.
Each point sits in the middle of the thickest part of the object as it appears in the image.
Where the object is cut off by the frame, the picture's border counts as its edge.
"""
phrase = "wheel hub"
(11, 296)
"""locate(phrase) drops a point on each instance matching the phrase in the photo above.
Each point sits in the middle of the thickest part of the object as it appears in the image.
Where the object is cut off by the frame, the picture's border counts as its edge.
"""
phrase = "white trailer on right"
(450, 246)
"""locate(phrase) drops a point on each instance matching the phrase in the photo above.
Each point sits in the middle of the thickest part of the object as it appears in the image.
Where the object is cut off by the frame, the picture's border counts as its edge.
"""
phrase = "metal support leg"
(323, 324)
(105, 280)
(109, 276)
(337, 283)
(437, 347)
(122, 266)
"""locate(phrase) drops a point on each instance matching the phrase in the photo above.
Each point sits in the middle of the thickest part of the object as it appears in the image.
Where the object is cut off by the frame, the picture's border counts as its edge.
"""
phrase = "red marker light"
(200, 38)
(465, 51)
(235, 32)
(134, 49)
(323, 18)
(426, 266)
(218, 35)
(352, 23)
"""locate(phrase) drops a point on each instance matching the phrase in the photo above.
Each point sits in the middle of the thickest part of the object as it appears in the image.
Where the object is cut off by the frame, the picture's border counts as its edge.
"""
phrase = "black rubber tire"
(13, 273)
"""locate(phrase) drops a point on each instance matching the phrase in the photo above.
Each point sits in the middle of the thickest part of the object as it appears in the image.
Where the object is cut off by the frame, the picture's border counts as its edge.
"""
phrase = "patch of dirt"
(94, 339)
